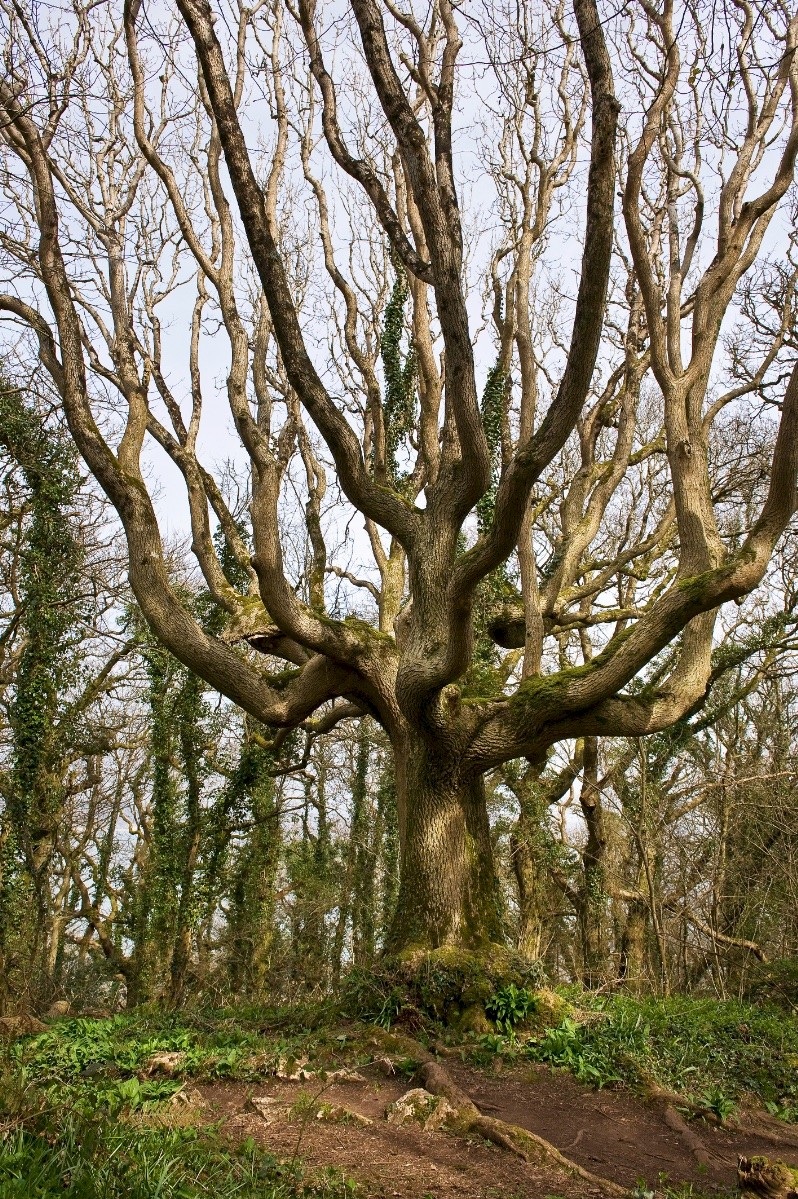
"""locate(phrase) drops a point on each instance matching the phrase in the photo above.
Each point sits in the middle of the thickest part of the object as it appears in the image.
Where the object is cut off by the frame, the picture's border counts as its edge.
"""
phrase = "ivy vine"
(399, 404)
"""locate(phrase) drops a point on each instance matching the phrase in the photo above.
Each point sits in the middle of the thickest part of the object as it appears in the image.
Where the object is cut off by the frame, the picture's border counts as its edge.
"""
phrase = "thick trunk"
(447, 891)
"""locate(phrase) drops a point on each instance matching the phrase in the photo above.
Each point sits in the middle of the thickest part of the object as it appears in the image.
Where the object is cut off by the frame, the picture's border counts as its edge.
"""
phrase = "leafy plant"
(566, 1046)
(510, 1006)
(103, 1158)
(697, 1047)
(717, 1101)
(788, 1112)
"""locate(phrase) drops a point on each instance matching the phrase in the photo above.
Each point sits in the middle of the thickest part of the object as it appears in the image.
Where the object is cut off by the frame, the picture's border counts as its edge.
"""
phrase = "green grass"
(209, 1048)
(78, 1158)
(75, 1102)
(716, 1054)
(702, 1048)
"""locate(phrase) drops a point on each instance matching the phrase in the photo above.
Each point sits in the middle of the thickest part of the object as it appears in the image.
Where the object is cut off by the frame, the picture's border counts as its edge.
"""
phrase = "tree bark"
(593, 895)
(631, 965)
(447, 893)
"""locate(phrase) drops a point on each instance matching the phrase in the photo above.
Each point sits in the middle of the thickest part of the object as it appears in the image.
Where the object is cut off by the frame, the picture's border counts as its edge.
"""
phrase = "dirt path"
(610, 1133)
(394, 1162)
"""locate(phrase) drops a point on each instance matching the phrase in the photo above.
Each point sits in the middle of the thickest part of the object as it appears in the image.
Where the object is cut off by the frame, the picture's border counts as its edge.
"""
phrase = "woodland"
(398, 594)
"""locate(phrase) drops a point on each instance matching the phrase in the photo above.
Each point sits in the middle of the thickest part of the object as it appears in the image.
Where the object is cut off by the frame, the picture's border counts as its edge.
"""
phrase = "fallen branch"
(725, 939)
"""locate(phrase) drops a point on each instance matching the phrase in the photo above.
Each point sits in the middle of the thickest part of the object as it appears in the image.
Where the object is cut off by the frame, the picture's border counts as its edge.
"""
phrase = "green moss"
(695, 586)
(282, 678)
(252, 603)
(445, 985)
(539, 695)
(362, 626)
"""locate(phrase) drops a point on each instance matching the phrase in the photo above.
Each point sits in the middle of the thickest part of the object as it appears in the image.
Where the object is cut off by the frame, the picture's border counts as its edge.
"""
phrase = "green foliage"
(400, 375)
(388, 821)
(77, 1157)
(776, 982)
(492, 417)
(567, 1046)
(166, 900)
(84, 1055)
(372, 997)
(712, 1052)
(251, 875)
(715, 1054)
(42, 722)
(82, 1115)
(510, 1006)
(717, 1101)
(440, 986)
(50, 573)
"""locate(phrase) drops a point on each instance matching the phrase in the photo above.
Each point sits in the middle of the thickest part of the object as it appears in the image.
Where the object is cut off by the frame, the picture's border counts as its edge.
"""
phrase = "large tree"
(313, 206)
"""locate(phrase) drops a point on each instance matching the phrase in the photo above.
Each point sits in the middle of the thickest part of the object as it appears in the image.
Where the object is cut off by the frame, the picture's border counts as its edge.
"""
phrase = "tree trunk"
(593, 898)
(529, 853)
(631, 965)
(447, 890)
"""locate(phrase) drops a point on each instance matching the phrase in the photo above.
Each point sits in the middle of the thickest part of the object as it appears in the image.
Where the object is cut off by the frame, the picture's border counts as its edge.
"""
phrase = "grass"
(81, 1158)
(208, 1047)
(81, 1119)
(81, 1104)
(716, 1054)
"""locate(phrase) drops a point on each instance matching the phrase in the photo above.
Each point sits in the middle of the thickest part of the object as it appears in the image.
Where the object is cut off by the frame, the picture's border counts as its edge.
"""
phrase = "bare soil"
(611, 1133)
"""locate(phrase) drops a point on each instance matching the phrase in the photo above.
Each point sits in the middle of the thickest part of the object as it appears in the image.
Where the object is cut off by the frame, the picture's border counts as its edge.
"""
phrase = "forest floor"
(612, 1134)
(619, 1097)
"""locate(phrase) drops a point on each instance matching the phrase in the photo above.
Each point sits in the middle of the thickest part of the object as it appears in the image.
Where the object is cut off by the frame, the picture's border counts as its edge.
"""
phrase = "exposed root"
(519, 1141)
(768, 1129)
(690, 1138)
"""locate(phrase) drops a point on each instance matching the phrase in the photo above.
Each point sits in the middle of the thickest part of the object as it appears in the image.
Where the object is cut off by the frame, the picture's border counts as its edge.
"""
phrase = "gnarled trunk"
(447, 892)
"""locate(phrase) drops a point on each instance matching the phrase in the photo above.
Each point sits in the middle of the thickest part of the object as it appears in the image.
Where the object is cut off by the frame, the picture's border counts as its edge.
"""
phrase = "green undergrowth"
(80, 1158)
(88, 1052)
(80, 1103)
(88, 1109)
(716, 1054)
(81, 1106)
(448, 986)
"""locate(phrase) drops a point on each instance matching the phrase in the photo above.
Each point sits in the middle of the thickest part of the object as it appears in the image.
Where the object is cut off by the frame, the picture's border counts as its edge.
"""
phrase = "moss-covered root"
(773, 1180)
(524, 1144)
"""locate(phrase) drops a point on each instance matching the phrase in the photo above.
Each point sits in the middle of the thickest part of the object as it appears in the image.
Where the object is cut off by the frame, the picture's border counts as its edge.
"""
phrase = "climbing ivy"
(166, 901)
(400, 375)
(251, 882)
(492, 409)
(50, 565)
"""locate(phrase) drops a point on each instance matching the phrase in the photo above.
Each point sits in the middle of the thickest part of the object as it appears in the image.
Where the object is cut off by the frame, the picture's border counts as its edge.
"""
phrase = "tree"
(506, 607)
(58, 670)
